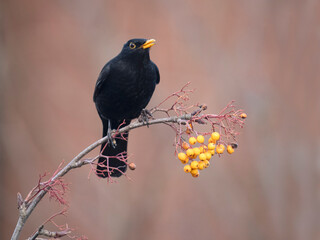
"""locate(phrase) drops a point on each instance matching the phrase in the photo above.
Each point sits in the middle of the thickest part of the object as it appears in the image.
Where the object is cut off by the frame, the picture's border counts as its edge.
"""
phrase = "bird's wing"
(158, 74)
(103, 77)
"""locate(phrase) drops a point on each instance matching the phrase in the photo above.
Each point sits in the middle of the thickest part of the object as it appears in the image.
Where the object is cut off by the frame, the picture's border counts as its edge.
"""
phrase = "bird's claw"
(145, 116)
(111, 140)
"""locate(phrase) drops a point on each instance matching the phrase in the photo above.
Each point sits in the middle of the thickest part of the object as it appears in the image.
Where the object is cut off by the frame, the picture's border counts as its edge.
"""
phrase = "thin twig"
(76, 163)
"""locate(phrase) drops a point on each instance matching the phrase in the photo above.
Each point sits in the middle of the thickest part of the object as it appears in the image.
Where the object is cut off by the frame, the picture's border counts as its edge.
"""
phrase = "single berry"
(194, 164)
(230, 149)
(182, 156)
(185, 161)
(201, 165)
(194, 173)
(192, 140)
(200, 139)
(202, 156)
(190, 152)
(207, 163)
(208, 155)
(243, 115)
(215, 136)
(132, 166)
(211, 146)
(185, 145)
(187, 168)
(220, 148)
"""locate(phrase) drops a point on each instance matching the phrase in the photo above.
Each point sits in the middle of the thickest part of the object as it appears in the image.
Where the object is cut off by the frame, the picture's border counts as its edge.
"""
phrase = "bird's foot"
(145, 116)
(111, 140)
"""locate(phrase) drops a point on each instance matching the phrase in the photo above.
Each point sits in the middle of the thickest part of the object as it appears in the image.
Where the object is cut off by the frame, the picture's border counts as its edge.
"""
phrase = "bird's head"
(138, 47)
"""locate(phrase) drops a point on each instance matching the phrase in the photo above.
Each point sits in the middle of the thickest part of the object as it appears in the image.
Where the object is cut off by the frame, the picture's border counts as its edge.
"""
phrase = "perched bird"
(123, 89)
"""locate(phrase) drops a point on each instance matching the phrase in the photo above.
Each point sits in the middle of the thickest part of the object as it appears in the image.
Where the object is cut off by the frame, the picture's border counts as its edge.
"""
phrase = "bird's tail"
(113, 163)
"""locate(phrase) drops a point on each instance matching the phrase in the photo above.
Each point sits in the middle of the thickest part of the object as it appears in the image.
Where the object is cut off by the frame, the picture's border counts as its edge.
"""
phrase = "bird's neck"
(138, 59)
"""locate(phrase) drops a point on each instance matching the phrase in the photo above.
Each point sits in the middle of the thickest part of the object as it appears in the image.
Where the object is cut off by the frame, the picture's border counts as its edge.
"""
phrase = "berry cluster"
(204, 152)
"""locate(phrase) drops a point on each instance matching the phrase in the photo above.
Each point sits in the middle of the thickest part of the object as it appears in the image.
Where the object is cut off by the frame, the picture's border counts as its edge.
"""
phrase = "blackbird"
(123, 89)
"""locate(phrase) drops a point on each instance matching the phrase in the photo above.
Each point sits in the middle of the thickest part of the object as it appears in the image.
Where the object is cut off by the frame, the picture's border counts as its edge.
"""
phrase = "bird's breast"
(127, 92)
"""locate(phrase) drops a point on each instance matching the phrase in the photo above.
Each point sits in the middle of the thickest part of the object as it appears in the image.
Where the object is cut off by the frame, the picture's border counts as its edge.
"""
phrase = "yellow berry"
(202, 156)
(212, 152)
(192, 140)
(211, 146)
(194, 173)
(243, 115)
(185, 145)
(220, 148)
(187, 168)
(182, 156)
(215, 136)
(230, 149)
(185, 161)
(190, 152)
(194, 164)
(200, 139)
(210, 140)
(196, 151)
(208, 155)
(201, 165)
(206, 163)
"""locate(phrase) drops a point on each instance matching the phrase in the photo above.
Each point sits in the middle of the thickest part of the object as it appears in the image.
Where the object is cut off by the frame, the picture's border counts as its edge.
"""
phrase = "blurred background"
(263, 54)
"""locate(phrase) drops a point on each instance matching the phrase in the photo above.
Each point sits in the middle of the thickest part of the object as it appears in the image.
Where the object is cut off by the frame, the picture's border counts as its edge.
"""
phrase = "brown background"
(263, 54)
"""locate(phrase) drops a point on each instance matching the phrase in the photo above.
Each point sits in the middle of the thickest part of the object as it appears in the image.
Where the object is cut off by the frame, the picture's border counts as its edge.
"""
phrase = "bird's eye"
(132, 45)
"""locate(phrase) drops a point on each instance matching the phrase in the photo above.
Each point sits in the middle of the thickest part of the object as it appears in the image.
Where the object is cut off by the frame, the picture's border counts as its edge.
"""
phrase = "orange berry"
(194, 173)
(132, 166)
(192, 140)
(206, 163)
(201, 165)
(212, 152)
(185, 145)
(243, 115)
(211, 146)
(194, 164)
(215, 136)
(220, 148)
(200, 139)
(230, 149)
(210, 140)
(190, 152)
(202, 156)
(185, 161)
(187, 168)
(182, 156)
(208, 155)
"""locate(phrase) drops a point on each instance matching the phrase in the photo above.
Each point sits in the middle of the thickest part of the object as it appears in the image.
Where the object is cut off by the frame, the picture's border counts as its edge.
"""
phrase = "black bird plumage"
(123, 89)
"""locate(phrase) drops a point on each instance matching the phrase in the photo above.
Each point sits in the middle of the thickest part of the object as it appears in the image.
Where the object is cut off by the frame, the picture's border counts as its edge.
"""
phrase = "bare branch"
(25, 211)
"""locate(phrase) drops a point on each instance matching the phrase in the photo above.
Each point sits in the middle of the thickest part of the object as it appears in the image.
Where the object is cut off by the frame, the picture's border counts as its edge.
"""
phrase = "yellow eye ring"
(132, 45)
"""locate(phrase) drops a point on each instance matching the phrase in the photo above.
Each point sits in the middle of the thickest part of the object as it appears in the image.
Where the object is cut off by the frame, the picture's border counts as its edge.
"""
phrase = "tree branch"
(26, 209)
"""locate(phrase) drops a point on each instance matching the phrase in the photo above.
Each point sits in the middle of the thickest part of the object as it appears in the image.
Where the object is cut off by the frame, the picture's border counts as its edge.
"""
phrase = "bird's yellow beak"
(149, 43)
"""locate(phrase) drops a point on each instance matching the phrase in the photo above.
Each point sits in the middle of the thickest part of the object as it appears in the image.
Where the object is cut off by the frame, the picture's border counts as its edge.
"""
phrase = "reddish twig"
(180, 116)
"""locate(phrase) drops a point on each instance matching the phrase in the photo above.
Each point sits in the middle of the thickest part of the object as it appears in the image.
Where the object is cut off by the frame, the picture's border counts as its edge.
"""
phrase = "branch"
(26, 208)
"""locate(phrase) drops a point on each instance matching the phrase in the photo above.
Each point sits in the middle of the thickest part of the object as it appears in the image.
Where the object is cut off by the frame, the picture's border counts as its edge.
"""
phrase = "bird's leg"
(111, 140)
(145, 116)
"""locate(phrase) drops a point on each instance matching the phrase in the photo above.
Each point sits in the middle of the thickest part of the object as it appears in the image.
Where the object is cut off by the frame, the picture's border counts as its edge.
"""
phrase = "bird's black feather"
(124, 87)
